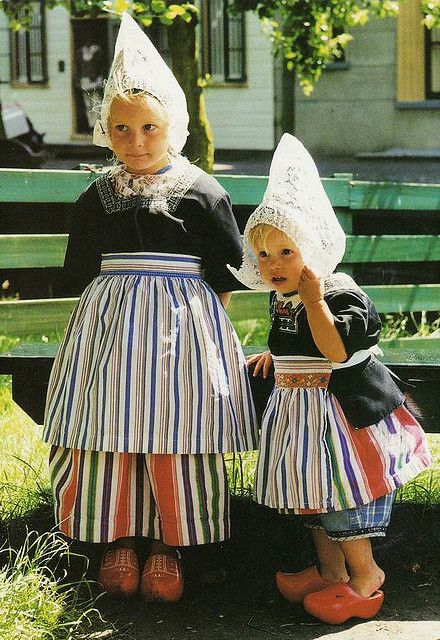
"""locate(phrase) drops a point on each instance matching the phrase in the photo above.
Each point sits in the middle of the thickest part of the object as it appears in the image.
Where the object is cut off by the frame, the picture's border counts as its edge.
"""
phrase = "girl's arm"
(320, 319)
(83, 255)
(223, 246)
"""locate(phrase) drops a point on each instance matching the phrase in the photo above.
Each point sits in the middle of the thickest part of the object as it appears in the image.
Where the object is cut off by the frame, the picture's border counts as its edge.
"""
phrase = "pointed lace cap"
(138, 65)
(295, 202)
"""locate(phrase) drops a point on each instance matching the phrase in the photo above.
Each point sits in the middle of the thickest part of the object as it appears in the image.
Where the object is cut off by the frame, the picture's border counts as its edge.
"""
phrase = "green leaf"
(177, 9)
(166, 21)
(158, 6)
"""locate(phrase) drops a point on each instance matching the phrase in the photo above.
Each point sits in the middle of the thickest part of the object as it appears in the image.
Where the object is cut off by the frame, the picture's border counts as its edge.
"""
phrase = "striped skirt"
(312, 460)
(150, 363)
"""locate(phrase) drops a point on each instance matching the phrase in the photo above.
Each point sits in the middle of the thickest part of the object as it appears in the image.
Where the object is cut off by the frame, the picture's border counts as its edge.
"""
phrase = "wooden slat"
(249, 190)
(394, 196)
(392, 248)
(404, 297)
(412, 351)
(43, 185)
(40, 185)
(45, 250)
(24, 317)
(246, 305)
(20, 251)
(405, 351)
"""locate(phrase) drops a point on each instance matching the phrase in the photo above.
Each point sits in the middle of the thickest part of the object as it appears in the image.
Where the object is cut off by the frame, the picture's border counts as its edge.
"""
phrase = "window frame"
(430, 46)
(7, 54)
(15, 52)
(206, 47)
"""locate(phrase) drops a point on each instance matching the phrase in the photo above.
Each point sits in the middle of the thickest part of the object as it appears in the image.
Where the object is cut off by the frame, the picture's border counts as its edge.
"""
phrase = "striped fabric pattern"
(312, 460)
(100, 497)
(150, 363)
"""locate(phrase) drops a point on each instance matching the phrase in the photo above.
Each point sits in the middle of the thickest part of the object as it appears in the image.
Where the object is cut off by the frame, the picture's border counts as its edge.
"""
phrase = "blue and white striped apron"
(150, 363)
(311, 460)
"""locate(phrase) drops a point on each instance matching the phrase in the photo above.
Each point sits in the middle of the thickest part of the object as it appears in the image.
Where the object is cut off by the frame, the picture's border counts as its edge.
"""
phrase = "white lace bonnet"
(138, 65)
(295, 202)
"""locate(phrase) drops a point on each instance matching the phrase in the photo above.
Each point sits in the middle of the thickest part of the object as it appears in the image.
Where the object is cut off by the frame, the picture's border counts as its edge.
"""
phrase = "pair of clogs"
(333, 603)
(161, 579)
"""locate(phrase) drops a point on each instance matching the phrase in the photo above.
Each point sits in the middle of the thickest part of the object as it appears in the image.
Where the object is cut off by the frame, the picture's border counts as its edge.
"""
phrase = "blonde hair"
(258, 235)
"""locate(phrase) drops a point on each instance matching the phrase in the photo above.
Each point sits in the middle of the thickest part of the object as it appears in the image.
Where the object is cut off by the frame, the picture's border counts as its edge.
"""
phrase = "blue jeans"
(367, 521)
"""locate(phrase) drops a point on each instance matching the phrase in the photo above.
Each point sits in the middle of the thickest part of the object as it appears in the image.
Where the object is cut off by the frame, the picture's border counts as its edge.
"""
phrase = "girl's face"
(139, 134)
(280, 262)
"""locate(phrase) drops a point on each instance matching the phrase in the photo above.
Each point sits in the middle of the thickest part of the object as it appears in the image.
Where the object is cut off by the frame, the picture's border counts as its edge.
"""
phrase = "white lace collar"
(161, 192)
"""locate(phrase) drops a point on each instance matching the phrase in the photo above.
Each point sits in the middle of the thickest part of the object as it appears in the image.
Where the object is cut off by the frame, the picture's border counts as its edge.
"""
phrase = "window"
(339, 62)
(5, 51)
(28, 50)
(432, 58)
(223, 42)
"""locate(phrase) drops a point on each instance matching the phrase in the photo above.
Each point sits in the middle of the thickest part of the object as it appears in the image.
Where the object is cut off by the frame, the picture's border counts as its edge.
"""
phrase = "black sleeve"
(223, 246)
(356, 319)
(83, 255)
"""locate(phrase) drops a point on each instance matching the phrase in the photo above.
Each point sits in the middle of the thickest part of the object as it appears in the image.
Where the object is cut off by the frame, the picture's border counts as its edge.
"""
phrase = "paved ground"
(421, 169)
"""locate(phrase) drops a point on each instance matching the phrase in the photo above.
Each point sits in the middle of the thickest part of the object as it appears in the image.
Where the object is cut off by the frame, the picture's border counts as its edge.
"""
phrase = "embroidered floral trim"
(309, 380)
(161, 193)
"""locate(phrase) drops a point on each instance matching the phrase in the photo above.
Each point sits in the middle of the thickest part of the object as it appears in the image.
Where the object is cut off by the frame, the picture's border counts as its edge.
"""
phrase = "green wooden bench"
(356, 203)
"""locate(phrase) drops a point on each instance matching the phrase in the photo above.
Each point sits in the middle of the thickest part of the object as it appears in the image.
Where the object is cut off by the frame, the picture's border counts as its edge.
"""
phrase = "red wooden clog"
(338, 602)
(162, 579)
(294, 586)
(119, 572)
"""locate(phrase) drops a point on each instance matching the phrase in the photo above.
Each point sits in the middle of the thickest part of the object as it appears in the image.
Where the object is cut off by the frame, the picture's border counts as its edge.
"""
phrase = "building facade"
(384, 95)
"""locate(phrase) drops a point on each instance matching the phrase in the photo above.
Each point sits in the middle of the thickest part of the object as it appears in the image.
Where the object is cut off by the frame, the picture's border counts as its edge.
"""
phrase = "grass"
(34, 603)
(24, 480)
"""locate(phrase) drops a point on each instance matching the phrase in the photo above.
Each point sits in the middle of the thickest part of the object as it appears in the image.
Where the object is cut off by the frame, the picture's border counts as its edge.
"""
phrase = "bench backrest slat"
(42, 185)
(24, 317)
(19, 251)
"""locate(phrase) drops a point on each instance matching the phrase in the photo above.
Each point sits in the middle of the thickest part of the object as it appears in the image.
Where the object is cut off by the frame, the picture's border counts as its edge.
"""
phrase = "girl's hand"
(263, 363)
(310, 287)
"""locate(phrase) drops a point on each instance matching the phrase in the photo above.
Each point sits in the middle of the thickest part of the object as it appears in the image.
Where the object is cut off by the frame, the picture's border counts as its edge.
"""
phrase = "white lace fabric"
(148, 185)
(163, 191)
(138, 65)
(295, 203)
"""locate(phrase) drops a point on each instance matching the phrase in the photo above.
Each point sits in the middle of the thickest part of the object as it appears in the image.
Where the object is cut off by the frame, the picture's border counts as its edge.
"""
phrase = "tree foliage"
(311, 33)
(308, 33)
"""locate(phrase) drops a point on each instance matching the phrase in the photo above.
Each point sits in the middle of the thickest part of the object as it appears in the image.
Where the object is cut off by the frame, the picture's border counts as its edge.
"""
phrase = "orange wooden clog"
(338, 602)
(162, 579)
(119, 572)
(294, 586)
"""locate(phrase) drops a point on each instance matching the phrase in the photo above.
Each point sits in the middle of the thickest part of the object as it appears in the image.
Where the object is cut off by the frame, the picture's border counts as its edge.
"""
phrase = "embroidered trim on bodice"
(161, 193)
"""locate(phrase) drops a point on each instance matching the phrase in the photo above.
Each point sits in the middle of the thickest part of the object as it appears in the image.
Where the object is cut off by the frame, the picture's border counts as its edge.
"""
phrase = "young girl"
(336, 437)
(150, 386)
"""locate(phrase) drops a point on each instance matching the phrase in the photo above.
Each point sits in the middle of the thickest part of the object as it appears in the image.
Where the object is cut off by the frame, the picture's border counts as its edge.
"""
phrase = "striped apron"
(150, 363)
(312, 460)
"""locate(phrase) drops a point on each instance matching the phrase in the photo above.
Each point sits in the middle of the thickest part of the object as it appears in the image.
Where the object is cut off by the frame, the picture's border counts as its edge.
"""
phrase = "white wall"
(50, 107)
(242, 117)
(353, 110)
